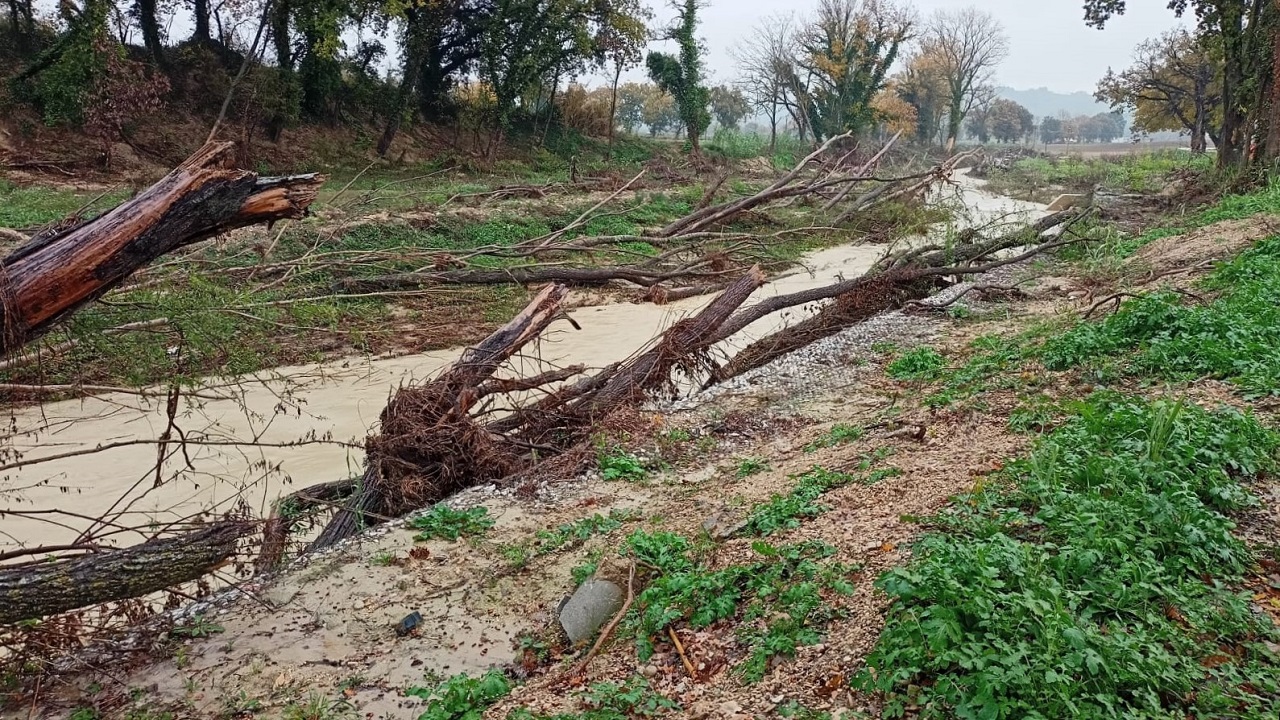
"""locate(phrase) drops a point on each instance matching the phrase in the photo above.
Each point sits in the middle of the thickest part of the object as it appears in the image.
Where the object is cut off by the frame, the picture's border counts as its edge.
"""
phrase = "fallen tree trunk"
(898, 279)
(51, 276)
(36, 590)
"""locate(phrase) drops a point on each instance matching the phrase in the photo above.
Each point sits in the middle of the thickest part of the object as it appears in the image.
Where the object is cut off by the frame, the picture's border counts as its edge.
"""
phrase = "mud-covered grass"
(1043, 177)
(270, 297)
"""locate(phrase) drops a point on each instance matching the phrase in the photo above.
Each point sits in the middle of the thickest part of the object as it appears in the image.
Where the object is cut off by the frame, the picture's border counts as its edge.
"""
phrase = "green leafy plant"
(1235, 337)
(462, 697)
(445, 523)
(1093, 578)
(630, 700)
(921, 364)
(783, 601)
(785, 512)
(747, 467)
(619, 465)
(198, 627)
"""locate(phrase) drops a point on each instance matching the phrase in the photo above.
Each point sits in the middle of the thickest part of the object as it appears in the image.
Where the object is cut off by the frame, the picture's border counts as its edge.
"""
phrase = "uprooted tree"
(468, 425)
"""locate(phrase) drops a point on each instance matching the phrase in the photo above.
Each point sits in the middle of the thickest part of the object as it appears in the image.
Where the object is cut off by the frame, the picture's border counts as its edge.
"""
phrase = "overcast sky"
(1050, 46)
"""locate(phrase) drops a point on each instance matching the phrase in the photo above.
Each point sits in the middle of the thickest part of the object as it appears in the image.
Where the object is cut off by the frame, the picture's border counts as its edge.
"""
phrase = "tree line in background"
(866, 67)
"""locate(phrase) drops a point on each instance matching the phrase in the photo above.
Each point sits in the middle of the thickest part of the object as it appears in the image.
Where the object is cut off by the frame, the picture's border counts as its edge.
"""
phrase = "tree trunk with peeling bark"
(53, 275)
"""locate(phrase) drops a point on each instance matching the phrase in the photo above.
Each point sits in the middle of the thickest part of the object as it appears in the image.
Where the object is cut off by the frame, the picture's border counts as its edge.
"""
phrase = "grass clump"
(1235, 337)
(919, 364)
(839, 434)
(1097, 578)
(444, 523)
(782, 602)
(611, 701)
(318, 707)
(461, 697)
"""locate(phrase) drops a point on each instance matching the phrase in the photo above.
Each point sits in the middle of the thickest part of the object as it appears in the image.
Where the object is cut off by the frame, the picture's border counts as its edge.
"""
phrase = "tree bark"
(151, 32)
(613, 106)
(51, 277)
(412, 65)
(201, 10)
(1273, 114)
(36, 590)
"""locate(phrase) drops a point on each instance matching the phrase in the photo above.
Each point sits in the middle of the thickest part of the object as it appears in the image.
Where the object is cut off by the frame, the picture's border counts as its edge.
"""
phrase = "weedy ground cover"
(1166, 335)
(442, 522)
(781, 602)
(1097, 577)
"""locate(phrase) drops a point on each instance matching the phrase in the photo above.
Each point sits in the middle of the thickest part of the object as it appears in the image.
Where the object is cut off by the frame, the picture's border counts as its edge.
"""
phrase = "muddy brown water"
(337, 400)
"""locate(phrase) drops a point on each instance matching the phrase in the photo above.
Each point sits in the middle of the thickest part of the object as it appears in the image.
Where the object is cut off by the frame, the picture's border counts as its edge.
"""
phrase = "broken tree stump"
(50, 277)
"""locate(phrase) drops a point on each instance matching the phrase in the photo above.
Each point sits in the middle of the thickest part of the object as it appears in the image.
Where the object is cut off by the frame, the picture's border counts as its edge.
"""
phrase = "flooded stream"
(293, 412)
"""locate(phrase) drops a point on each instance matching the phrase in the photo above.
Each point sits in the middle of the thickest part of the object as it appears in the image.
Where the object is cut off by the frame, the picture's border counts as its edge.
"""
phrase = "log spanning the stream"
(58, 272)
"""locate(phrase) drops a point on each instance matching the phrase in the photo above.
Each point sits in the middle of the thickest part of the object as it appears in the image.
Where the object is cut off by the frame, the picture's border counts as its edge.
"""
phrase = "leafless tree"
(769, 74)
(968, 44)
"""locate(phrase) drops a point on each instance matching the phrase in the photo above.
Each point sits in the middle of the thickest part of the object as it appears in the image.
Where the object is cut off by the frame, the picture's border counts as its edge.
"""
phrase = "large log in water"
(40, 589)
(54, 274)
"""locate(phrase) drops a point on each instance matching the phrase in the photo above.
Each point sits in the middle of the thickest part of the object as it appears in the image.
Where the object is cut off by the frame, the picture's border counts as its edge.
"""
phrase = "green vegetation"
(1136, 172)
(630, 700)
(444, 523)
(617, 464)
(1235, 206)
(461, 697)
(1096, 578)
(29, 207)
(198, 627)
(786, 512)
(749, 466)
(565, 535)
(1165, 335)
(920, 363)
(578, 531)
(319, 707)
(839, 434)
(782, 601)
(383, 558)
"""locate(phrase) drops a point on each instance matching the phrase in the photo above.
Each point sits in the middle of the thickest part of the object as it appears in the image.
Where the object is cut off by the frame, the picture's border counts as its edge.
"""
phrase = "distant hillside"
(1043, 102)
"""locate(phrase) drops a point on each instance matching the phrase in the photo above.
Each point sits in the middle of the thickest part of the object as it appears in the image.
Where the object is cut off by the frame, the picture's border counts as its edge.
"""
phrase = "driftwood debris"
(702, 249)
(55, 273)
(38, 589)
